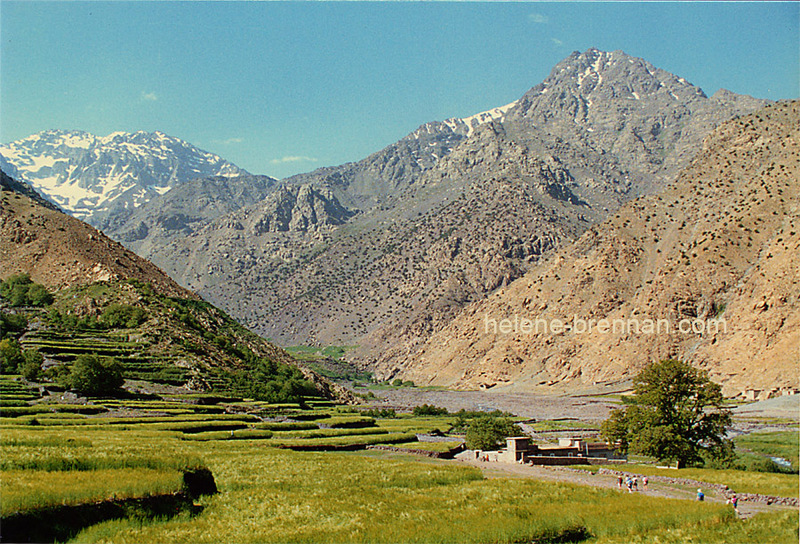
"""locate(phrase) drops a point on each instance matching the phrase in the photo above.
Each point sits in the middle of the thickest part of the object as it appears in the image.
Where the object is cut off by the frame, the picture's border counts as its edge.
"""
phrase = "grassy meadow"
(271, 490)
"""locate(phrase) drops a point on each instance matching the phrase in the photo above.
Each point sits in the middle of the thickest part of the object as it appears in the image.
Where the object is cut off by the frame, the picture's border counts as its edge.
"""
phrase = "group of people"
(631, 484)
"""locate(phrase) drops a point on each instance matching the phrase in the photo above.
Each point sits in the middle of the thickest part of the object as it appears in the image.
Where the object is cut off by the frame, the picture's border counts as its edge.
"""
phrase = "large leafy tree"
(488, 433)
(675, 415)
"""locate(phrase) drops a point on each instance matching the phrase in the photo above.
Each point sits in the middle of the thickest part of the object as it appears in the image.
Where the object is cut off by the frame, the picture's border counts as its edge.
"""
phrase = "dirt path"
(657, 489)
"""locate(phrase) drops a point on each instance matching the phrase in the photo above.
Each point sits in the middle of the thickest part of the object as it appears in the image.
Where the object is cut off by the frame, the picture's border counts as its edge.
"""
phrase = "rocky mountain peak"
(91, 176)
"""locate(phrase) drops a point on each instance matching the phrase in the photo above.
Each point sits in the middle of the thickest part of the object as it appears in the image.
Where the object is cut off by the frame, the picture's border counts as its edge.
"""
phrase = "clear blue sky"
(280, 88)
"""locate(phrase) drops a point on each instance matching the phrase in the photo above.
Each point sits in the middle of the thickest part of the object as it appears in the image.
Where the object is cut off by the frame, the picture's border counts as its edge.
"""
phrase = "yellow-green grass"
(286, 425)
(439, 447)
(238, 434)
(273, 495)
(766, 483)
(55, 449)
(72, 419)
(325, 433)
(562, 425)
(417, 424)
(772, 527)
(25, 490)
(276, 496)
(41, 408)
(778, 444)
(348, 440)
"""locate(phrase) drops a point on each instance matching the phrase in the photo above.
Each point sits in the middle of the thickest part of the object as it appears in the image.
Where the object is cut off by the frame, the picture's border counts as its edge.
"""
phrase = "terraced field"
(118, 470)
(135, 356)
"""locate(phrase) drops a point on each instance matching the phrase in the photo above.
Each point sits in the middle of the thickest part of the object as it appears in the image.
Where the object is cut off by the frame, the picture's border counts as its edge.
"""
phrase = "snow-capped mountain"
(90, 176)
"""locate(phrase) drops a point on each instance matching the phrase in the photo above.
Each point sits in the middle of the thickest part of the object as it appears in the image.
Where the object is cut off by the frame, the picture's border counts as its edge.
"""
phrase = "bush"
(118, 316)
(429, 410)
(10, 356)
(488, 433)
(384, 413)
(20, 290)
(12, 324)
(95, 376)
(31, 367)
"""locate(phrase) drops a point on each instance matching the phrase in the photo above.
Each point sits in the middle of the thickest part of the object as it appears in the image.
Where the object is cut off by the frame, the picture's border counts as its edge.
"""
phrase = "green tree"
(31, 367)
(20, 290)
(675, 415)
(10, 356)
(429, 410)
(488, 433)
(95, 376)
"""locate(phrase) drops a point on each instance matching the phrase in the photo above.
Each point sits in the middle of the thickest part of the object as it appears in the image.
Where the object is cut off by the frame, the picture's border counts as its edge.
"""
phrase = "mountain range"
(388, 253)
(94, 177)
(715, 257)
(401, 241)
(181, 341)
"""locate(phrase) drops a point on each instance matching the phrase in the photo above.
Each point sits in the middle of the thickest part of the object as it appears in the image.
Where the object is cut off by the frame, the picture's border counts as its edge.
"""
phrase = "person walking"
(644, 483)
(735, 503)
(619, 482)
(700, 495)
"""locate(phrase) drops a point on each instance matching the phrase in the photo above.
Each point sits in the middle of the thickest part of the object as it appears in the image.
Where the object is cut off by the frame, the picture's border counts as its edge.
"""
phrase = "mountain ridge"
(444, 219)
(720, 244)
(92, 176)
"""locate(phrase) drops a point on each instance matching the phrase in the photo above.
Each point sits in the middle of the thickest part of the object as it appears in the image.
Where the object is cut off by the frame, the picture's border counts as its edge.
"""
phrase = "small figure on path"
(619, 482)
(644, 482)
(700, 495)
(636, 483)
(735, 503)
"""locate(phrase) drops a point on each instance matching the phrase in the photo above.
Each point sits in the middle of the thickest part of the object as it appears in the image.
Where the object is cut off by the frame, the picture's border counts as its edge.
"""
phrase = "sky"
(285, 87)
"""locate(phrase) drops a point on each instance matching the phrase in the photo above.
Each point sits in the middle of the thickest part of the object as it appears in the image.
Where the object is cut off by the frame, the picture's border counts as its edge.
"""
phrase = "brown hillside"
(722, 243)
(60, 251)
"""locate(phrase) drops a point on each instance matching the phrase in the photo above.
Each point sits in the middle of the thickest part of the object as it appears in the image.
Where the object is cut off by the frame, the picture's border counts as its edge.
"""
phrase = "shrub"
(31, 366)
(10, 356)
(118, 316)
(429, 410)
(95, 376)
(384, 413)
(12, 324)
(20, 290)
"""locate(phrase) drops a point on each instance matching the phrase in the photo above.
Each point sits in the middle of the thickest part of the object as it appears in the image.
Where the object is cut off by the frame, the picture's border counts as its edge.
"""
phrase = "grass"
(776, 527)
(440, 447)
(270, 494)
(24, 490)
(275, 496)
(562, 425)
(766, 483)
(347, 440)
(783, 444)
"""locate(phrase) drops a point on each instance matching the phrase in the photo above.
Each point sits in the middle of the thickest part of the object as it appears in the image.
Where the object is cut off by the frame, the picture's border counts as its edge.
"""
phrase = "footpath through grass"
(741, 481)
(268, 494)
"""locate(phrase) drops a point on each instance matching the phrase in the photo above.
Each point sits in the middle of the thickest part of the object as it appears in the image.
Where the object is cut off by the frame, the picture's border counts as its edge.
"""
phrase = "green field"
(270, 493)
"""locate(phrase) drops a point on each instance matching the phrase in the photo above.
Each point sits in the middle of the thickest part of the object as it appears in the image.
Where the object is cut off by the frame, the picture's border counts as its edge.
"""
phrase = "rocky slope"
(60, 251)
(184, 210)
(453, 211)
(93, 177)
(180, 336)
(717, 254)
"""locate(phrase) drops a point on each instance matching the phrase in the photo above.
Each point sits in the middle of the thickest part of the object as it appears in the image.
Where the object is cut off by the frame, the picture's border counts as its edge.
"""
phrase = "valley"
(492, 291)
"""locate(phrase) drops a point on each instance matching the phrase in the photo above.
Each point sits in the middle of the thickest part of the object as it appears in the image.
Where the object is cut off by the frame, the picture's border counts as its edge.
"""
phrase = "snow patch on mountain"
(88, 175)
